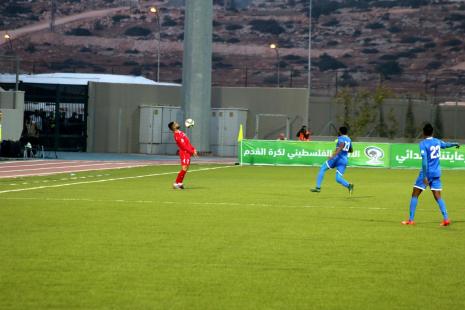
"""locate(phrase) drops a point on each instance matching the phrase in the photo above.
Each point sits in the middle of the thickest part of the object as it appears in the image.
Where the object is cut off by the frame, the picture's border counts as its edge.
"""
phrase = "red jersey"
(185, 147)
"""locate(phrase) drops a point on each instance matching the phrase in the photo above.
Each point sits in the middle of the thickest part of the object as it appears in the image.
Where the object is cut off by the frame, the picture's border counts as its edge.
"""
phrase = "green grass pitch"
(236, 238)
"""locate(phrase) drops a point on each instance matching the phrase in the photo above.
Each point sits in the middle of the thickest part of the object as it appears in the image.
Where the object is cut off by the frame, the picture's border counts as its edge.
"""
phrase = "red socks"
(181, 176)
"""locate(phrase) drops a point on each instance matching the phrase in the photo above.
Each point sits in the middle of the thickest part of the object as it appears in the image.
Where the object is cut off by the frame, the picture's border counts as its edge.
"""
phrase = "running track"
(26, 168)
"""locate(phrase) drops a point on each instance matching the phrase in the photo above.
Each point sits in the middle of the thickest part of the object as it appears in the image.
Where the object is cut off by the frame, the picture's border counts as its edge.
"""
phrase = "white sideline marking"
(184, 203)
(107, 180)
(70, 166)
(73, 170)
(35, 163)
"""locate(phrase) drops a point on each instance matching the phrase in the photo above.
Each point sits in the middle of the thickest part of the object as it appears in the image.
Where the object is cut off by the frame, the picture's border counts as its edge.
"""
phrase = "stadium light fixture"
(154, 10)
(8, 38)
(275, 47)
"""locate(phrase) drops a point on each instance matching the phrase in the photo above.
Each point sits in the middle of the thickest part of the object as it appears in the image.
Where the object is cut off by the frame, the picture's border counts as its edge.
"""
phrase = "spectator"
(30, 132)
(36, 118)
(304, 134)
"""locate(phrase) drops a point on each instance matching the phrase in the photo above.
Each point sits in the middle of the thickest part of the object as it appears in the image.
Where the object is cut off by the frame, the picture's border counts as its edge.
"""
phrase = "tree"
(379, 96)
(389, 68)
(393, 124)
(327, 62)
(410, 131)
(346, 80)
(363, 108)
(358, 111)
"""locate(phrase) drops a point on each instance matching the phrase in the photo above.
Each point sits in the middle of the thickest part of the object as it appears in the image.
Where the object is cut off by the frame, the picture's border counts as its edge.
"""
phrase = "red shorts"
(185, 160)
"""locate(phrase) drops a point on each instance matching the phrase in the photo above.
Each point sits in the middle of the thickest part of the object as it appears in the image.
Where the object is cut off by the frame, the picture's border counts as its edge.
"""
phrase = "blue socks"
(413, 207)
(321, 175)
(341, 180)
(442, 207)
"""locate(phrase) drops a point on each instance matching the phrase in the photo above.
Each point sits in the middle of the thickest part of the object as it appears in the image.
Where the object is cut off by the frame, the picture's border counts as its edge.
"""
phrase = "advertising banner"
(270, 152)
(366, 154)
(408, 156)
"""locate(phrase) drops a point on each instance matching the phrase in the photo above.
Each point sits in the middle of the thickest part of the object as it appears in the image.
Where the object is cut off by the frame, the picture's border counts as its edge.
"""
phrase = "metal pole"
(53, 9)
(158, 46)
(288, 128)
(17, 73)
(15, 94)
(456, 117)
(309, 82)
(257, 122)
(277, 57)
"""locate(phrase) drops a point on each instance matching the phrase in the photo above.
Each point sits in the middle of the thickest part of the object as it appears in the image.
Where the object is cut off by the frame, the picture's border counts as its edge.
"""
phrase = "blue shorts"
(434, 183)
(339, 163)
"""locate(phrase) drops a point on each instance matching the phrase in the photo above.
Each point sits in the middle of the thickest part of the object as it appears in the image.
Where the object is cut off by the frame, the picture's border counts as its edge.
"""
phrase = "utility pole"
(309, 83)
(53, 10)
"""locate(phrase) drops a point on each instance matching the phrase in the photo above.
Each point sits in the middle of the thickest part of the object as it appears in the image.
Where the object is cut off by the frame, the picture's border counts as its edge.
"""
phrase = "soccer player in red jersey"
(186, 150)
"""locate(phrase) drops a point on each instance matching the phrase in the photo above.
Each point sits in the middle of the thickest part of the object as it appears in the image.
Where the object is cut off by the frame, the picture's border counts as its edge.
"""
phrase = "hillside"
(411, 45)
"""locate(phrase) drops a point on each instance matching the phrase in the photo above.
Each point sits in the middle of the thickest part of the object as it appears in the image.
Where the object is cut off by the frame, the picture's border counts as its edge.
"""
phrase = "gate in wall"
(60, 114)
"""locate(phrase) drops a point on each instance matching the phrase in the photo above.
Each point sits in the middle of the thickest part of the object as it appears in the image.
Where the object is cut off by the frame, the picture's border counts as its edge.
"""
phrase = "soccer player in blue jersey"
(430, 173)
(337, 160)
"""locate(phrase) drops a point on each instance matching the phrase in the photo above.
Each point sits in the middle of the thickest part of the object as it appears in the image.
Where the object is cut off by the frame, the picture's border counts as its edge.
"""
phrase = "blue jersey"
(430, 150)
(347, 143)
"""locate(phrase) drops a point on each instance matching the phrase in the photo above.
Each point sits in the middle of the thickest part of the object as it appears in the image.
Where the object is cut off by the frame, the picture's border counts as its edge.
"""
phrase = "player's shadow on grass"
(194, 188)
(347, 197)
(363, 220)
(423, 225)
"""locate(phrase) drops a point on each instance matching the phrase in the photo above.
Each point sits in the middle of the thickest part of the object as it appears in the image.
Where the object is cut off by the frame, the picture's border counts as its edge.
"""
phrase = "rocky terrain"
(412, 45)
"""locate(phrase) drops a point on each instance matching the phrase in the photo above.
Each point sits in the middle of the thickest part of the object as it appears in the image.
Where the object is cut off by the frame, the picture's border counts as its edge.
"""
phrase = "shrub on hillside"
(326, 62)
(389, 68)
(79, 32)
(267, 26)
(137, 31)
(169, 22)
(233, 27)
(453, 42)
(331, 23)
(434, 65)
(118, 18)
(375, 25)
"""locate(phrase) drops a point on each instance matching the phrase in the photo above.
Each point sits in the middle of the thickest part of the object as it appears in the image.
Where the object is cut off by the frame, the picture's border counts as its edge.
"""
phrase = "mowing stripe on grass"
(233, 204)
(107, 180)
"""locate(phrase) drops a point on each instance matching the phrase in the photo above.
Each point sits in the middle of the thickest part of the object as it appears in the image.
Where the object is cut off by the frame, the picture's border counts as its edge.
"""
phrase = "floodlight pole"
(196, 71)
(53, 9)
(275, 47)
(278, 65)
(158, 47)
(155, 11)
(309, 82)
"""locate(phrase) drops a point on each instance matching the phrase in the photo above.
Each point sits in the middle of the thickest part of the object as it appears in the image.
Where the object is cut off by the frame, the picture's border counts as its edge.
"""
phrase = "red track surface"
(14, 169)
